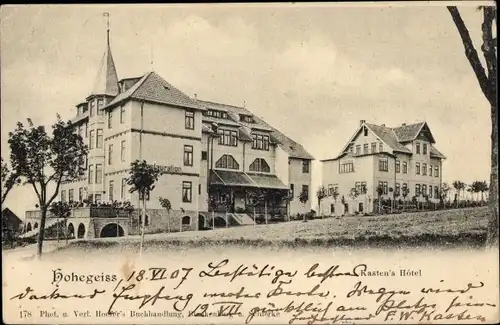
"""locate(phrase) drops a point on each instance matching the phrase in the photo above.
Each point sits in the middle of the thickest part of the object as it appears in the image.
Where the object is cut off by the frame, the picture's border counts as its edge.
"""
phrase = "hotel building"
(215, 156)
(397, 160)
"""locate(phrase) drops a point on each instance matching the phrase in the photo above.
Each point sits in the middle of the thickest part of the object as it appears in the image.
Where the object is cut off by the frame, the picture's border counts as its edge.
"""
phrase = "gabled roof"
(395, 138)
(436, 154)
(153, 88)
(388, 137)
(407, 133)
(292, 148)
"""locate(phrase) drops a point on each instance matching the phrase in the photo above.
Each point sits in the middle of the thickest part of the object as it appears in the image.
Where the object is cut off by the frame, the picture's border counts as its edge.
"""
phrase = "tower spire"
(107, 79)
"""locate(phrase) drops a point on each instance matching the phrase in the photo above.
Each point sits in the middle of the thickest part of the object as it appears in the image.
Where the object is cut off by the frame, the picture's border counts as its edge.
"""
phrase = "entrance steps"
(242, 219)
(48, 224)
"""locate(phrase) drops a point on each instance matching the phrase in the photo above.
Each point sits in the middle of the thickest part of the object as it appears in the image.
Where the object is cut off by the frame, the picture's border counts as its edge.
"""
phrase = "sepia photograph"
(287, 163)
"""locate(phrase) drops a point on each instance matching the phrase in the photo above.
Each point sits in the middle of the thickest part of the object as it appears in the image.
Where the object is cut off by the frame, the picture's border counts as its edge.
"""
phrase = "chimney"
(383, 125)
(361, 122)
(404, 124)
(195, 97)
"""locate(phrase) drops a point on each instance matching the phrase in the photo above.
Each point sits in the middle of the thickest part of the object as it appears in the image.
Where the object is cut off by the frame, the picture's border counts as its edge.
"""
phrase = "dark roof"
(396, 137)
(407, 133)
(436, 154)
(387, 135)
(10, 219)
(154, 88)
(292, 148)
(360, 155)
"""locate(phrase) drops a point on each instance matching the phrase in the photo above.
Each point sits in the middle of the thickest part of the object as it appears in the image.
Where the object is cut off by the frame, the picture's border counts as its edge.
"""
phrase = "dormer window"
(246, 118)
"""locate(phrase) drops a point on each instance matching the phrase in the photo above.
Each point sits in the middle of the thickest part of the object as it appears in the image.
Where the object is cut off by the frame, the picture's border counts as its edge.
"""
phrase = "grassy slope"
(441, 228)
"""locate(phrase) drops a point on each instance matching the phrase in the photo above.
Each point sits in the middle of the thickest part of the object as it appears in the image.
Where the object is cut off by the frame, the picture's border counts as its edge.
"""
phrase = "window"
(111, 190)
(386, 188)
(92, 106)
(98, 173)
(417, 146)
(63, 196)
(305, 166)
(186, 220)
(100, 105)
(417, 168)
(365, 131)
(383, 164)
(97, 198)
(405, 167)
(110, 120)
(417, 189)
(91, 174)
(397, 190)
(292, 191)
(122, 151)
(122, 114)
(398, 166)
(260, 142)
(187, 194)
(305, 189)
(259, 165)
(86, 130)
(424, 169)
(330, 190)
(227, 137)
(363, 188)
(71, 194)
(381, 147)
(436, 171)
(80, 194)
(199, 189)
(110, 154)
(227, 162)
(204, 155)
(347, 168)
(365, 148)
(123, 188)
(332, 208)
(424, 190)
(188, 155)
(374, 147)
(430, 191)
(424, 149)
(436, 192)
(99, 138)
(91, 139)
(80, 131)
(358, 149)
(351, 148)
(189, 120)
(430, 170)
(405, 189)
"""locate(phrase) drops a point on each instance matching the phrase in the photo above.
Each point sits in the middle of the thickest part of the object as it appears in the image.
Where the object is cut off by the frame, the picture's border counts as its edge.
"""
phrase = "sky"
(311, 71)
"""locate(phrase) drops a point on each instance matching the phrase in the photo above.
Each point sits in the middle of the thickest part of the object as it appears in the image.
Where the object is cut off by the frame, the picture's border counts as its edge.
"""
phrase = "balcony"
(88, 212)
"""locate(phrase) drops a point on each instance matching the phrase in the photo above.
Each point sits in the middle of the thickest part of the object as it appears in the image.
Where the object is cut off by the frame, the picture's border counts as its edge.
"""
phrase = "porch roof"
(237, 178)
(231, 178)
(268, 181)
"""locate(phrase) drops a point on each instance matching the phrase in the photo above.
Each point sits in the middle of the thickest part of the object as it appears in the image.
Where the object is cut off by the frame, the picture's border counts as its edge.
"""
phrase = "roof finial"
(106, 14)
(244, 104)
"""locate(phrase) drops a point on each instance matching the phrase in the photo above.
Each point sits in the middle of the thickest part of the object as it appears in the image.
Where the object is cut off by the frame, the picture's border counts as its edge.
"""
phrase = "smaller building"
(391, 166)
(10, 221)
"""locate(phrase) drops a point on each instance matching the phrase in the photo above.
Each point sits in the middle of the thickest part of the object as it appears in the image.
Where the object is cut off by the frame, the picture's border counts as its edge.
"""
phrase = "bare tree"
(488, 83)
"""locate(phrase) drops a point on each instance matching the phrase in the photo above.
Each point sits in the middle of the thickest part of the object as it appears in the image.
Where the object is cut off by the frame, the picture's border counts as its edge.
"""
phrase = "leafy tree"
(165, 203)
(321, 193)
(10, 178)
(42, 159)
(61, 210)
(445, 190)
(488, 83)
(459, 186)
(142, 179)
(303, 198)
